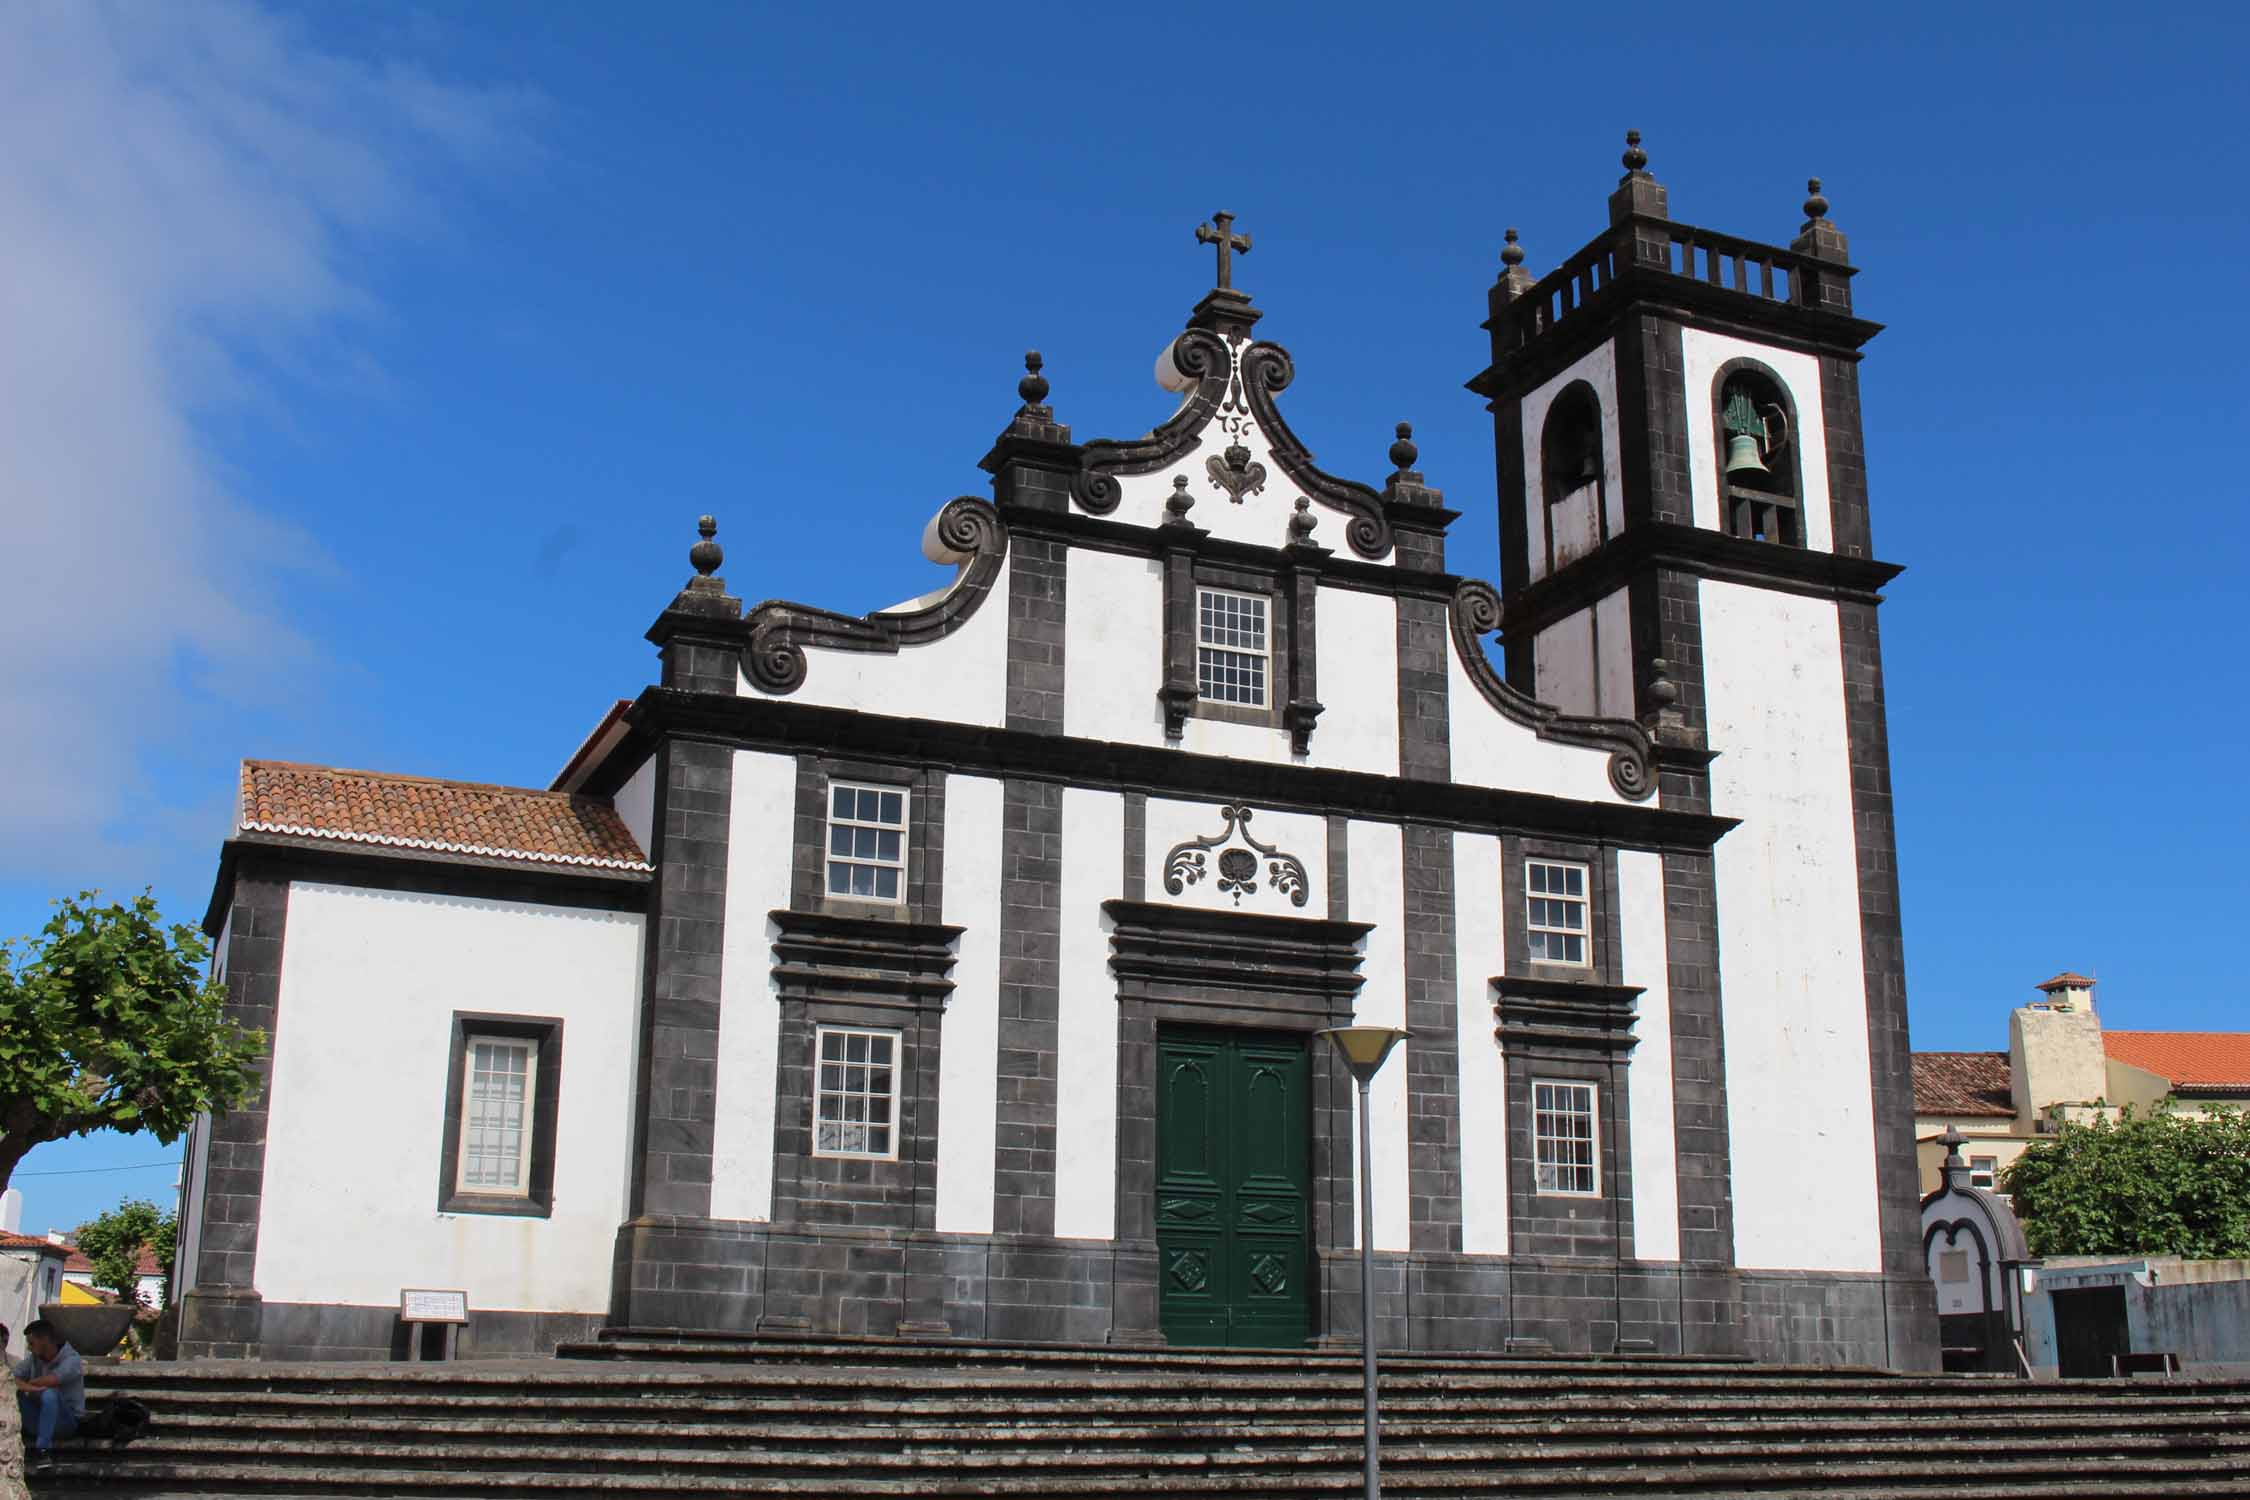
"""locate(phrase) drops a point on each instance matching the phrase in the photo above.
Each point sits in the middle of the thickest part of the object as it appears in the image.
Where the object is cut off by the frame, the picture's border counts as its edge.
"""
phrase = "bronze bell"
(1742, 454)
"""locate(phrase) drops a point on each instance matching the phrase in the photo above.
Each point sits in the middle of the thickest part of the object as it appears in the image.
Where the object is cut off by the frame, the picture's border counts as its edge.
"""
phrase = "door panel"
(1232, 1216)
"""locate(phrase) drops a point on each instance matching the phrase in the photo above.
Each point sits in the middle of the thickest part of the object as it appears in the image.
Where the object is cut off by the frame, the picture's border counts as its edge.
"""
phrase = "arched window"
(1570, 472)
(1760, 483)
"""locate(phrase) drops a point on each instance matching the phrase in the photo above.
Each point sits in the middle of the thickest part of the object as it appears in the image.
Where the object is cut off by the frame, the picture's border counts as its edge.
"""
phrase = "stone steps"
(874, 1419)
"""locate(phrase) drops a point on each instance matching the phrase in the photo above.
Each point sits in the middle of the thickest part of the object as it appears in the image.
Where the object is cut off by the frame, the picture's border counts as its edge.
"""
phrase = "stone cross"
(1228, 242)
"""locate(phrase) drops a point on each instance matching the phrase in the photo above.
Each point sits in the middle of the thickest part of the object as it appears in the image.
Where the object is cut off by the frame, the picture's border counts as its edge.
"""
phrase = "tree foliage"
(113, 1243)
(107, 1022)
(2163, 1183)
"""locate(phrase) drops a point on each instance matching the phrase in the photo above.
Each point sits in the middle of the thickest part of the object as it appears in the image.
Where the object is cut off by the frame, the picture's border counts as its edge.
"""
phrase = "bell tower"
(1684, 540)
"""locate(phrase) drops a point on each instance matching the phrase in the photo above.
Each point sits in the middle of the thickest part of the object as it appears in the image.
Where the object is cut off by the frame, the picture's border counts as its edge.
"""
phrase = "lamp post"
(1364, 1049)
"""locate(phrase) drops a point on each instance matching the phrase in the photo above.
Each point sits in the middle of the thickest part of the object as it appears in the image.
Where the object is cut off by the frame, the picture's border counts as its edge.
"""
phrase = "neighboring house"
(31, 1274)
(2061, 1065)
(956, 970)
(148, 1275)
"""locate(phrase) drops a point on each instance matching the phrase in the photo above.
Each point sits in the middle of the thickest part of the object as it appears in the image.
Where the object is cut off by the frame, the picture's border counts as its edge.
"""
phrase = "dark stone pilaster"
(1652, 409)
(1425, 740)
(1849, 532)
(1037, 585)
(1029, 1001)
(220, 1315)
(1910, 1299)
(680, 1014)
(1433, 1061)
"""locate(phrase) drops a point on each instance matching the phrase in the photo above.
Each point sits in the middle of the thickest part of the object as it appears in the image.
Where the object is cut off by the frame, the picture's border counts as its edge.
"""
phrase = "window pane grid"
(1555, 914)
(1232, 649)
(1563, 1147)
(496, 1116)
(866, 842)
(855, 1093)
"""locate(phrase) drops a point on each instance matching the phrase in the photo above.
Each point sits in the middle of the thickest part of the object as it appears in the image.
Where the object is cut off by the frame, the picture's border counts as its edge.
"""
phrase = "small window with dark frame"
(855, 1093)
(499, 1084)
(1563, 1145)
(867, 842)
(1233, 648)
(1555, 912)
(1983, 1171)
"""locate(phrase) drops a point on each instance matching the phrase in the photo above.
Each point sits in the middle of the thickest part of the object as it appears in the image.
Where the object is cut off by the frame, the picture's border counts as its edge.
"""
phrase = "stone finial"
(1511, 253)
(1403, 451)
(1953, 1171)
(706, 554)
(1816, 207)
(1821, 239)
(1301, 521)
(1638, 194)
(1033, 387)
(1179, 502)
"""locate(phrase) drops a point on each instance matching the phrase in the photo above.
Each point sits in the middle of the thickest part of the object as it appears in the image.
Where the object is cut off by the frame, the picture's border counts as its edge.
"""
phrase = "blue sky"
(368, 368)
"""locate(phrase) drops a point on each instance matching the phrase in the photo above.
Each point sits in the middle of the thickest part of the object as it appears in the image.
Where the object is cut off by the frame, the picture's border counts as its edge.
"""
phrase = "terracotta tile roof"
(11, 1241)
(2191, 1059)
(1964, 1084)
(2068, 980)
(419, 812)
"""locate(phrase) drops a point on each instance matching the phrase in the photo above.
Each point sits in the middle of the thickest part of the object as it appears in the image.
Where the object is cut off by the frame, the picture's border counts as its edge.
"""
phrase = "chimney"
(11, 1211)
(2067, 991)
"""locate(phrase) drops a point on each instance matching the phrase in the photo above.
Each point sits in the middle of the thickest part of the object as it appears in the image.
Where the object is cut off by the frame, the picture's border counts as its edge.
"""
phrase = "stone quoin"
(952, 971)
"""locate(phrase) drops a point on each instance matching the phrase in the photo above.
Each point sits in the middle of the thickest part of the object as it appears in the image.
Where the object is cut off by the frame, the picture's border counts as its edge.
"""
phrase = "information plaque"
(424, 1305)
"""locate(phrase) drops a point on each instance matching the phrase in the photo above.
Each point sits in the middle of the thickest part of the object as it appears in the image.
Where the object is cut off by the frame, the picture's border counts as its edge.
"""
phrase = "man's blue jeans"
(45, 1418)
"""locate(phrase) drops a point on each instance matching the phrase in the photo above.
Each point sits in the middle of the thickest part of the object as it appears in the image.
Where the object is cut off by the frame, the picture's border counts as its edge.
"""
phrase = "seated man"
(51, 1388)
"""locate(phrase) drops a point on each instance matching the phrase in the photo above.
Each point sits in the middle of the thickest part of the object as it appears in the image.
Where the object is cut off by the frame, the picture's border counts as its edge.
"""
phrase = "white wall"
(1598, 368)
(1376, 853)
(1795, 1007)
(1656, 1181)
(1490, 749)
(1564, 653)
(1114, 616)
(1356, 638)
(1305, 835)
(636, 806)
(761, 832)
(369, 984)
(1702, 354)
(962, 677)
(969, 1060)
(1480, 954)
(1093, 860)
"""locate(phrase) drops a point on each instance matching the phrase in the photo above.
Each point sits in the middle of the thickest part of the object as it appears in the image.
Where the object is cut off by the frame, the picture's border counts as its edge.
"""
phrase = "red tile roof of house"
(419, 812)
(12, 1241)
(2190, 1059)
(1962, 1084)
(2067, 981)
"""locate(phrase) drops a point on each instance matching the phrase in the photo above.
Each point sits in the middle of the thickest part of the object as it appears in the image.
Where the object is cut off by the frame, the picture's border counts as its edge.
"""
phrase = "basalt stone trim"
(284, 858)
(924, 892)
(221, 1323)
(1849, 532)
(1135, 878)
(1653, 420)
(233, 1185)
(1817, 1318)
(859, 971)
(1029, 1004)
(1339, 867)
(1913, 1332)
(678, 1091)
(1038, 578)
(1425, 736)
(784, 727)
(310, 1331)
(1433, 1061)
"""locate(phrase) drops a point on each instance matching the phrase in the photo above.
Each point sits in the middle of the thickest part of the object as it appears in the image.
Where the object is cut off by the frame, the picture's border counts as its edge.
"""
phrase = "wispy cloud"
(191, 199)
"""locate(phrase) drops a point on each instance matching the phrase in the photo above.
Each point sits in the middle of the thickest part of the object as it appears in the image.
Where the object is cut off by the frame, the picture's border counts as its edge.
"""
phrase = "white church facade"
(952, 971)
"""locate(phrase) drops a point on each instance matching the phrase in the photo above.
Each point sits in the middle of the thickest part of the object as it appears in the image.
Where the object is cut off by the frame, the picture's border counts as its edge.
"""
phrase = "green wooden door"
(1233, 1219)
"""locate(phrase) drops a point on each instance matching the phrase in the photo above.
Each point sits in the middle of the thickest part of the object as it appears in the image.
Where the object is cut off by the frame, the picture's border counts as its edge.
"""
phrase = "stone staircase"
(677, 1416)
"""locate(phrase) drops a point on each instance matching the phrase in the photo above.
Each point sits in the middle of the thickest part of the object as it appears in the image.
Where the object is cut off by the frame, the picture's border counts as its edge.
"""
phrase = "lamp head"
(1364, 1048)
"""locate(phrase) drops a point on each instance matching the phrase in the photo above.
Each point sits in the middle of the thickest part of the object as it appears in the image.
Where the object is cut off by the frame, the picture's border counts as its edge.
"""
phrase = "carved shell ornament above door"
(1234, 856)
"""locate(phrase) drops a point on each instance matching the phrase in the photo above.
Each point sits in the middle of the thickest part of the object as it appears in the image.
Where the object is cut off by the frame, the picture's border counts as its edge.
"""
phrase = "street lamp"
(1364, 1050)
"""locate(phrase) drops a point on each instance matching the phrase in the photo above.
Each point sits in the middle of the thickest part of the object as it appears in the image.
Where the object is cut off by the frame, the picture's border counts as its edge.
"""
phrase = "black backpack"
(121, 1419)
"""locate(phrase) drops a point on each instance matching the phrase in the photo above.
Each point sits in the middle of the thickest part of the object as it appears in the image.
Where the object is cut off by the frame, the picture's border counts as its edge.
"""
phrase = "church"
(954, 971)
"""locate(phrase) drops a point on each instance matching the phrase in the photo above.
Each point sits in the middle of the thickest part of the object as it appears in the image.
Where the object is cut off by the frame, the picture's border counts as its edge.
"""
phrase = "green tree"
(113, 1243)
(107, 1022)
(2163, 1183)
